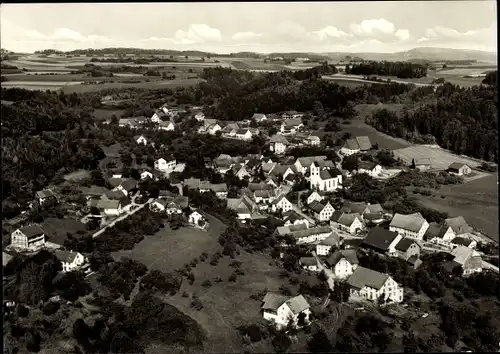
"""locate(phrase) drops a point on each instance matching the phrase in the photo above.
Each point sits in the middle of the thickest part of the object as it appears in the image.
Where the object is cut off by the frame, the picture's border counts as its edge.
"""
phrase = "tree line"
(402, 70)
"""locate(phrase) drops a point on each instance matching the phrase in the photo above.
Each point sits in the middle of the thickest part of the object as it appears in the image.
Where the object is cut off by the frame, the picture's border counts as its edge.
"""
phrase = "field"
(476, 201)
(77, 175)
(56, 229)
(440, 158)
(103, 114)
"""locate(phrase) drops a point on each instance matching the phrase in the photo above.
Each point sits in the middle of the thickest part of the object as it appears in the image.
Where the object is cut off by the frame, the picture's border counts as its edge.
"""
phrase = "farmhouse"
(165, 164)
(292, 115)
(281, 309)
(281, 203)
(127, 187)
(146, 174)
(312, 140)
(199, 116)
(342, 263)
(304, 235)
(411, 225)
(382, 240)
(370, 168)
(45, 196)
(462, 241)
(28, 238)
(372, 285)
(423, 164)
(350, 223)
(140, 139)
(291, 217)
(469, 260)
(278, 144)
(70, 260)
(309, 263)
(259, 117)
(220, 190)
(196, 219)
(158, 115)
(315, 196)
(109, 207)
(243, 206)
(322, 212)
(409, 250)
(303, 164)
(459, 169)
(324, 247)
(166, 125)
(356, 145)
(291, 126)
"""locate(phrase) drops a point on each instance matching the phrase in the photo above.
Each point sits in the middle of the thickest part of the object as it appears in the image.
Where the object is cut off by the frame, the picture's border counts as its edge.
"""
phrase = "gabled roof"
(379, 238)
(308, 261)
(354, 207)
(458, 225)
(456, 165)
(268, 167)
(424, 161)
(259, 186)
(278, 138)
(242, 131)
(349, 255)
(192, 183)
(292, 122)
(366, 165)
(258, 116)
(129, 184)
(108, 204)
(273, 301)
(316, 206)
(280, 198)
(297, 304)
(362, 143)
(375, 208)
(462, 241)
(362, 277)
(308, 160)
(325, 174)
(404, 244)
(434, 230)
(291, 216)
(179, 200)
(94, 190)
(345, 219)
(462, 254)
(410, 222)
(32, 231)
(65, 256)
(166, 123)
(331, 240)
(46, 193)
(218, 187)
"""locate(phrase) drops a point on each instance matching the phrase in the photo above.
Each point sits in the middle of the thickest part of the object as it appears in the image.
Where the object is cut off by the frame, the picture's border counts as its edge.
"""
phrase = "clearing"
(56, 229)
(77, 175)
(440, 158)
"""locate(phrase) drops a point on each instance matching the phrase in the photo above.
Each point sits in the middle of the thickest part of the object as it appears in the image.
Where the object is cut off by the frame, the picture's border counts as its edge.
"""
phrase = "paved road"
(126, 215)
(490, 266)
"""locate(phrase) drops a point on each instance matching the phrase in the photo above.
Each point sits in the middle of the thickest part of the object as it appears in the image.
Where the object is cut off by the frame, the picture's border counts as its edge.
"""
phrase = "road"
(490, 266)
(358, 79)
(126, 215)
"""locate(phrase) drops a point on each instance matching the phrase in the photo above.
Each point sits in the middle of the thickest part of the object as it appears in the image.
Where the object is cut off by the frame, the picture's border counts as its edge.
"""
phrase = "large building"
(28, 238)
(282, 309)
(372, 285)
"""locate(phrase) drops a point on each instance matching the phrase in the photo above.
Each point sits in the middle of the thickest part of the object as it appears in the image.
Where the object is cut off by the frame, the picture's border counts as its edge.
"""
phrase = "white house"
(342, 263)
(292, 217)
(70, 260)
(243, 206)
(312, 140)
(302, 234)
(243, 134)
(141, 140)
(259, 117)
(411, 225)
(158, 205)
(322, 212)
(167, 125)
(282, 203)
(291, 126)
(303, 164)
(240, 171)
(282, 309)
(110, 207)
(349, 222)
(469, 260)
(127, 186)
(324, 247)
(372, 285)
(292, 115)
(158, 115)
(165, 164)
(324, 180)
(314, 196)
(370, 168)
(200, 117)
(459, 169)
(28, 238)
(356, 145)
(309, 263)
(195, 218)
(278, 144)
(45, 195)
(146, 174)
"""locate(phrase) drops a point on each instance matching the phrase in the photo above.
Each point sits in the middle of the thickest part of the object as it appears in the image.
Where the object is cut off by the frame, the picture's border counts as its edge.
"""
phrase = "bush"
(33, 342)
(23, 311)
(50, 308)
(206, 283)
(232, 277)
(196, 304)
(185, 294)
(235, 264)
(218, 280)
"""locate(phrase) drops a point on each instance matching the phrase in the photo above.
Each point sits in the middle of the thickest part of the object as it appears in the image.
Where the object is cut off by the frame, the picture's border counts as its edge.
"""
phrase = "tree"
(340, 292)
(281, 342)
(318, 108)
(410, 344)
(319, 343)
(412, 166)
(301, 319)
(350, 163)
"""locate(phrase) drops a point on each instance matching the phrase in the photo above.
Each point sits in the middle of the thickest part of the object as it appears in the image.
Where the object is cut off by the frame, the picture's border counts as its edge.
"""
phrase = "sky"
(322, 27)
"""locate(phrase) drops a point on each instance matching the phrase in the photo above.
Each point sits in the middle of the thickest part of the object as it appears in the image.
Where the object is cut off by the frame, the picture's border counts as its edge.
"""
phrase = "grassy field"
(77, 175)
(476, 201)
(56, 229)
(103, 114)
(440, 158)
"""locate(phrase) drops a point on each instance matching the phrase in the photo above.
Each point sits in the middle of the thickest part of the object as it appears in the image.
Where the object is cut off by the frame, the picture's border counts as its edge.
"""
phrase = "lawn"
(77, 175)
(56, 229)
(440, 158)
(476, 201)
(103, 114)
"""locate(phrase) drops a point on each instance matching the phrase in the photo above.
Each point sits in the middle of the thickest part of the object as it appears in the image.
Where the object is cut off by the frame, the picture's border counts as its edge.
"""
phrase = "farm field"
(171, 249)
(440, 158)
(142, 85)
(476, 201)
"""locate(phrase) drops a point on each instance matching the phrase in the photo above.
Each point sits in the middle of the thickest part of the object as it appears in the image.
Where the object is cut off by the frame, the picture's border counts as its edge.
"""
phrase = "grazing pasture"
(440, 158)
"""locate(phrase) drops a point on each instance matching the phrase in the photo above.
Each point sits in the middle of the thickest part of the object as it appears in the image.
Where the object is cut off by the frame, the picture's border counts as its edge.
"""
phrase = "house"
(423, 164)
(222, 166)
(323, 179)
(243, 206)
(356, 145)
(28, 238)
(282, 309)
(199, 116)
(268, 167)
(243, 134)
(163, 193)
(291, 217)
(278, 144)
(303, 164)
(220, 190)
(342, 263)
(348, 222)
(166, 125)
(459, 169)
(409, 250)
(312, 140)
(370, 168)
(382, 240)
(171, 204)
(284, 171)
(165, 164)
(302, 234)
(281, 203)
(259, 117)
(324, 247)
(196, 219)
(372, 285)
(146, 174)
(462, 241)
(158, 205)
(315, 196)
(110, 207)
(322, 211)
(309, 263)
(456, 226)
(127, 187)
(229, 131)
(273, 181)
(469, 260)
(445, 233)
(94, 192)
(292, 115)
(140, 139)
(70, 260)
(240, 171)
(291, 126)
(411, 225)
(45, 196)
(158, 115)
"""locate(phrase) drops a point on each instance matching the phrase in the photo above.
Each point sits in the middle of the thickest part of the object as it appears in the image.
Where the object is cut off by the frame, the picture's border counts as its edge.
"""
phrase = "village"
(334, 230)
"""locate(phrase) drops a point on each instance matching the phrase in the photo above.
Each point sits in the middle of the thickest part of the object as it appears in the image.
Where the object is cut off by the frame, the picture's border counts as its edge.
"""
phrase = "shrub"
(23, 311)
(196, 304)
(50, 308)
(190, 277)
(232, 277)
(285, 290)
(185, 294)
(235, 264)
(239, 272)
(218, 280)
(206, 283)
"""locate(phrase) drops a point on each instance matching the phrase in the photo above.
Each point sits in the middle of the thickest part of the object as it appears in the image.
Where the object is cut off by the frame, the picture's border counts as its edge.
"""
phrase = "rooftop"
(366, 277)
(379, 238)
(410, 222)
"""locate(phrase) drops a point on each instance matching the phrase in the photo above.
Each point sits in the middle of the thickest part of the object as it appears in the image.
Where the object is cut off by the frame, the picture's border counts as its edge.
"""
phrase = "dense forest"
(463, 120)
(403, 70)
(491, 78)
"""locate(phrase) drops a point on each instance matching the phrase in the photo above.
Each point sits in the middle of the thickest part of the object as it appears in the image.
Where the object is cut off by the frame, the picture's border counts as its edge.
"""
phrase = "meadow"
(440, 158)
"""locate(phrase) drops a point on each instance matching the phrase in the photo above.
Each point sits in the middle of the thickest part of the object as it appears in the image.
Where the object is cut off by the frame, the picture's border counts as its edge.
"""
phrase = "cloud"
(330, 32)
(369, 28)
(246, 36)
(484, 38)
(403, 34)
(198, 33)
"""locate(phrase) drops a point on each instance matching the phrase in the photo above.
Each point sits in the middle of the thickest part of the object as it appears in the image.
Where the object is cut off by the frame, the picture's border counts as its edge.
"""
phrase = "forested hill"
(403, 70)
(463, 120)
